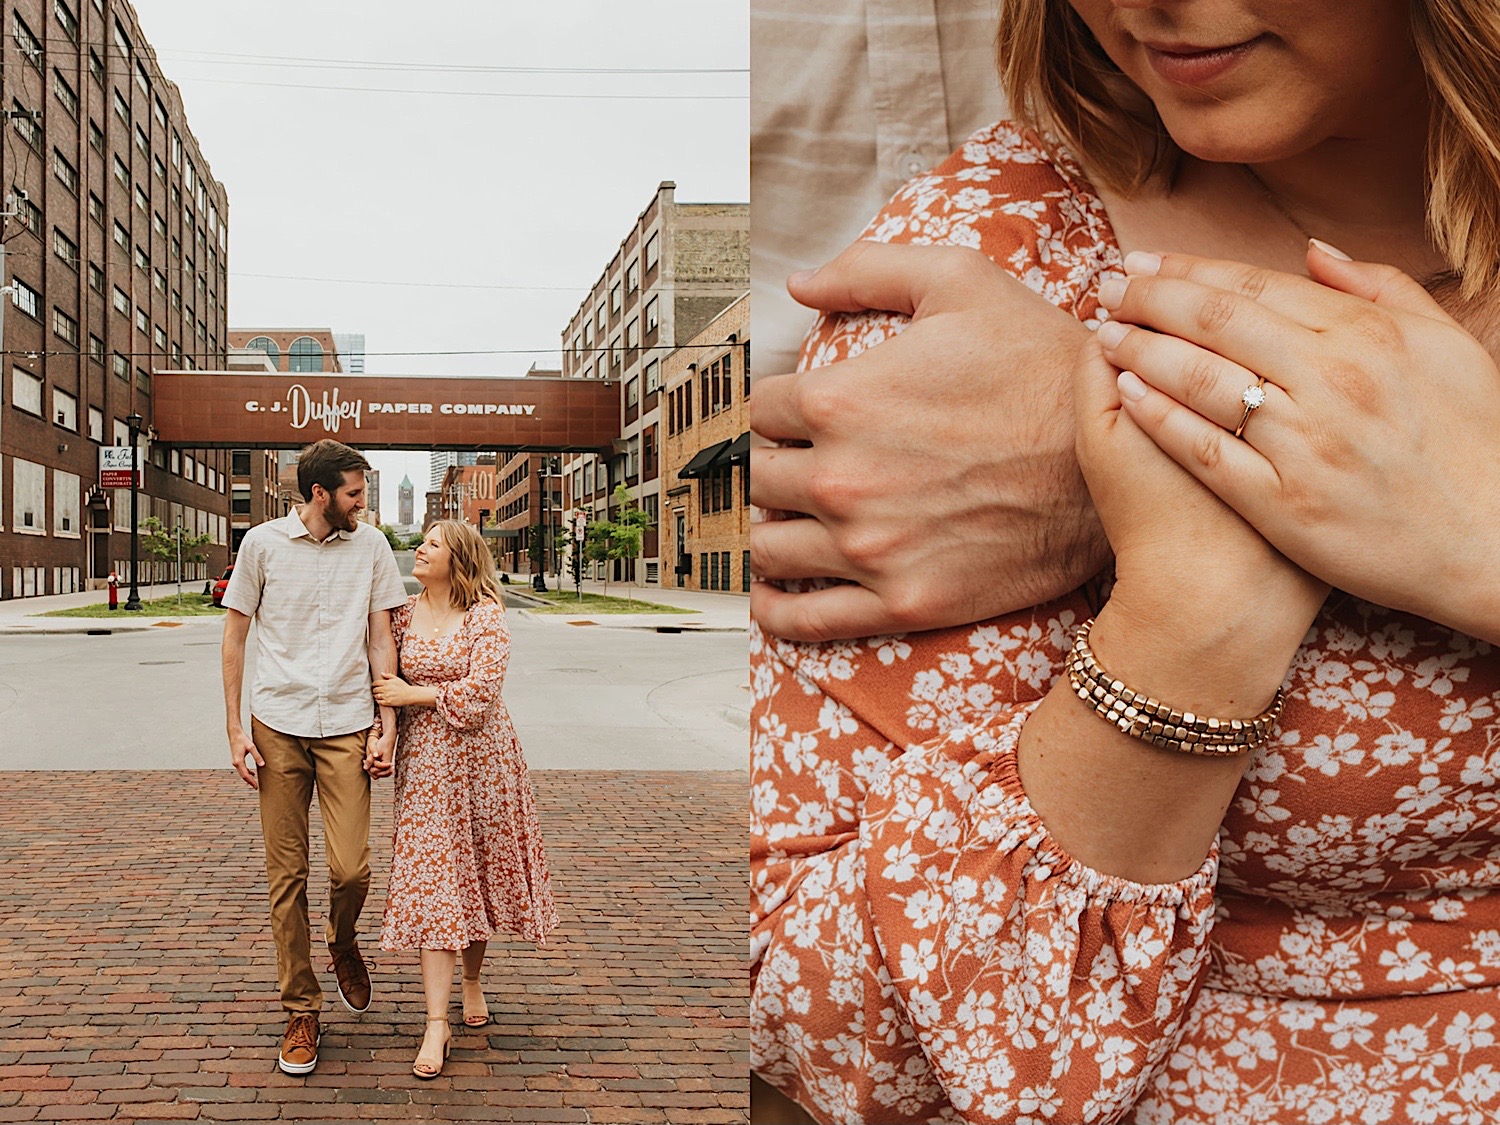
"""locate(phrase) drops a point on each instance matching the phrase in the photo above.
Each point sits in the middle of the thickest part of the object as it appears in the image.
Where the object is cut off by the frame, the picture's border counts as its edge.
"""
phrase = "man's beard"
(348, 521)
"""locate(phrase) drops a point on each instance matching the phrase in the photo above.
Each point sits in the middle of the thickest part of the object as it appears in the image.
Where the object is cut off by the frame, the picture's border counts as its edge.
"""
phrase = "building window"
(65, 248)
(96, 69)
(30, 130)
(25, 298)
(142, 321)
(26, 391)
(122, 237)
(96, 348)
(614, 298)
(305, 354)
(632, 277)
(121, 367)
(142, 200)
(122, 107)
(176, 150)
(29, 496)
(652, 252)
(159, 168)
(161, 114)
(122, 173)
(122, 301)
(159, 281)
(142, 141)
(142, 262)
(239, 462)
(30, 45)
(64, 409)
(66, 174)
(96, 278)
(143, 380)
(65, 93)
(603, 319)
(159, 337)
(653, 377)
(65, 326)
(66, 19)
(744, 572)
(140, 78)
(96, 424)
(651, 316)
(96, 209)
(633, 333)
(239, 500)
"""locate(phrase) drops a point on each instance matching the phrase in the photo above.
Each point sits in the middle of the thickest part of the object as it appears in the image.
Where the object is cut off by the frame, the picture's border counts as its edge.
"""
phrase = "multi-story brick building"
(676, 269)
(116, 239)
(706, 457)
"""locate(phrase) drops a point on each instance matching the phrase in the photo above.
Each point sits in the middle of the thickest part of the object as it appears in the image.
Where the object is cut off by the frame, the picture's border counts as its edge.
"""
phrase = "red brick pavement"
(138, 983)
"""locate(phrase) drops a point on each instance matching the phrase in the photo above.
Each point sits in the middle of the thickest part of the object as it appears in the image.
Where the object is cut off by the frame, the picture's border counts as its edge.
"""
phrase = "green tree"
(161, 542)
(391, 537)
(619, 538)
(415, 541)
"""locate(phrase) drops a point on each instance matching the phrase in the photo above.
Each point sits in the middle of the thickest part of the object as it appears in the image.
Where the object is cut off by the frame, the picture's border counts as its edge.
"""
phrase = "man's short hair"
(325, 462)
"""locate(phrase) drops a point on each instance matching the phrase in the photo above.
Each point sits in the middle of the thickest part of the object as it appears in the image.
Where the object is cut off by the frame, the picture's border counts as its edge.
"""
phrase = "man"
(320, 586)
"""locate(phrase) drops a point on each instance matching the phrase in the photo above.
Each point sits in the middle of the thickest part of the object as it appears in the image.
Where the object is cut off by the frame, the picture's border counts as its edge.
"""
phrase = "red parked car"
(222, 584)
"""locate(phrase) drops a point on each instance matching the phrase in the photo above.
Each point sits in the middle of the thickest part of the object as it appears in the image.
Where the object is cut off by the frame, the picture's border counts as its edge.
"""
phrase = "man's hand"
(941, 475)
(241, 749)
(380, 754)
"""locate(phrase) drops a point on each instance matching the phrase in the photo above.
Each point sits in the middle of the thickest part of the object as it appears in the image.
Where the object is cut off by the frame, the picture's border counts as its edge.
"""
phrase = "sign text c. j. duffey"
(331, 411)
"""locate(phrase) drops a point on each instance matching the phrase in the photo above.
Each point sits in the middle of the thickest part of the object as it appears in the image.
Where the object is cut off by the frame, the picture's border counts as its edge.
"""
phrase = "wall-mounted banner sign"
(232, 409)
(115, 465)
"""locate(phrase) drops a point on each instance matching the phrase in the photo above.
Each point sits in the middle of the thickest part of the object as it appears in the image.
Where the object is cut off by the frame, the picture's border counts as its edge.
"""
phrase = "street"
(581, 697)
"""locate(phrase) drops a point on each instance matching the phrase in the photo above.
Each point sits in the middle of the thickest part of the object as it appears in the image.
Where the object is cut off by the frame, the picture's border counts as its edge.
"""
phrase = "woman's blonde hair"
(1056, 74)
(471, 574)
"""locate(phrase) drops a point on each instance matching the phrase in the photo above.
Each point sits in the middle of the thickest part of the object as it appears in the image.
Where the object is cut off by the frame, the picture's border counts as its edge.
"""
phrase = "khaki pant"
(293, 766)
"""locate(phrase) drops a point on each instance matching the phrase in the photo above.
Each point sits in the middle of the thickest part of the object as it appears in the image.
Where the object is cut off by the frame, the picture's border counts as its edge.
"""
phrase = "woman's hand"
(1191, 575)
(986, 513)
(393, 691)
(1375, 459)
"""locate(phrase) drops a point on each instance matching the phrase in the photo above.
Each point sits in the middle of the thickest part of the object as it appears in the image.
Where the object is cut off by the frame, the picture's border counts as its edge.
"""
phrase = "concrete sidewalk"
(716, 612)
(138, 981)
(19, 615)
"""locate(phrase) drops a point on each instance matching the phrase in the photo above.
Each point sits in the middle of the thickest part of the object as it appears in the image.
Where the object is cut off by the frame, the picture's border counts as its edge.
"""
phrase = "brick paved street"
(137, 973)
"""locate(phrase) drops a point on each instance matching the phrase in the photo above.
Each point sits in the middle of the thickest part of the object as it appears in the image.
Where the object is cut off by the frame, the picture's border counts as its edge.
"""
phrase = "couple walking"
(341, 652)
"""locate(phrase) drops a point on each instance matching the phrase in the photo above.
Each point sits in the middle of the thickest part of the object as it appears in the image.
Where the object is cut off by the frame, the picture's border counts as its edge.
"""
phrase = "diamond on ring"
(1254, 396)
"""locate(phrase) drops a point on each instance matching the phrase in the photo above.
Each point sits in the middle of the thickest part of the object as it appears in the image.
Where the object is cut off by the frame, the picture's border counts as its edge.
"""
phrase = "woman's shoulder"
(1007, 187)
(402, 613)
(484, 613)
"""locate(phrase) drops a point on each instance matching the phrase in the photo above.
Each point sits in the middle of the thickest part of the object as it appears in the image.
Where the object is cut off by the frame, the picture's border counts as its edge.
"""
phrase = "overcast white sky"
(459, 188)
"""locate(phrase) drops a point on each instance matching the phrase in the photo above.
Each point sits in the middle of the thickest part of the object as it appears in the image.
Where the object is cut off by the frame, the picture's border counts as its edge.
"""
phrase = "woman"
(974, 899)
(467, 860)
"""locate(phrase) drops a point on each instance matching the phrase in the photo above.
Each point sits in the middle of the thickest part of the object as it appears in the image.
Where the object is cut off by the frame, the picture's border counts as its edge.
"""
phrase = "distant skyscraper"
(351, 346)
(407, 501)
(372, 496)
(440, 462)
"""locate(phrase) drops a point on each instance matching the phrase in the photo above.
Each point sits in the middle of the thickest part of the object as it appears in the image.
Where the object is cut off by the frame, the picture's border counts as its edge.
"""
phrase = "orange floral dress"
(467, 860)
(923, 950)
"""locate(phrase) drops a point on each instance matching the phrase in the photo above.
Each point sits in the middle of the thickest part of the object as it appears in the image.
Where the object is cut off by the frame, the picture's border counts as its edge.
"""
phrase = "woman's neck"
(439, 595)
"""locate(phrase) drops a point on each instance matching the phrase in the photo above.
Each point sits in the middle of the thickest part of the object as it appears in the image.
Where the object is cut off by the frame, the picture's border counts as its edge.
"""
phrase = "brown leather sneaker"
(353, 977)
(299, 1046)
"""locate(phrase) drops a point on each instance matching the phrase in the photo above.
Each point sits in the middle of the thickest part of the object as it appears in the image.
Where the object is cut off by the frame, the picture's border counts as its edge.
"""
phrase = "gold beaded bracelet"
(1152, 721)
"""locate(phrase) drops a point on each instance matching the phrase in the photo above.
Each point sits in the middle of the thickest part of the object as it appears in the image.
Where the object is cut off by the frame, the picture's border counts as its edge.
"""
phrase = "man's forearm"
(233, 659)
(383, 661)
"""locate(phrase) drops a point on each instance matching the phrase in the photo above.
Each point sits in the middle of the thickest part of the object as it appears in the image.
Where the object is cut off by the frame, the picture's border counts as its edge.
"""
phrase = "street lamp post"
(134, 422)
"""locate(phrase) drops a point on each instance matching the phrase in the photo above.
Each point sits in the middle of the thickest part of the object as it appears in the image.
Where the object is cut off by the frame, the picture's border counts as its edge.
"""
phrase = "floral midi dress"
(923, 950)
(467, 859)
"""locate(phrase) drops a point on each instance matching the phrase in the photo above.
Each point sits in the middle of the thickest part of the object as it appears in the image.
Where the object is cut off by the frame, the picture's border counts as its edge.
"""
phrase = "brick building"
(115, 244)
(677, 268)
(706, 457)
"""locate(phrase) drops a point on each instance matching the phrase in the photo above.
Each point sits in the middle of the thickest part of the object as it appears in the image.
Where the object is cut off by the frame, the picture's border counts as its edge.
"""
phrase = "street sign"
(115, 465)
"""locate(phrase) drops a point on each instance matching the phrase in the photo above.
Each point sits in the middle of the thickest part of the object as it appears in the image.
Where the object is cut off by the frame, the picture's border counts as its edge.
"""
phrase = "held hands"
(380, 753)
(940, 474)
(1375, 458)
(241, 748)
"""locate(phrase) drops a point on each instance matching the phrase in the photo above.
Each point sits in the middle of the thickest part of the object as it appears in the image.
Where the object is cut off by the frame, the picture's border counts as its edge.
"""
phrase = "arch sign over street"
(230, 409)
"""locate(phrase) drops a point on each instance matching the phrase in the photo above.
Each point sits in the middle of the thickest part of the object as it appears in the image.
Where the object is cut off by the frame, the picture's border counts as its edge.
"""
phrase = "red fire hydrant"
(114, 590)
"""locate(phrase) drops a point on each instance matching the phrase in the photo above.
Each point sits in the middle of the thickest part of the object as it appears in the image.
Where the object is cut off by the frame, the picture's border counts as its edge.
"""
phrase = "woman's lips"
(1188, 67)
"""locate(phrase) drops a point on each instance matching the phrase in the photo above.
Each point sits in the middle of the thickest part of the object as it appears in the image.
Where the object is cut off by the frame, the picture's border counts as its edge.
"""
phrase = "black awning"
(738, 452)
(703, 460)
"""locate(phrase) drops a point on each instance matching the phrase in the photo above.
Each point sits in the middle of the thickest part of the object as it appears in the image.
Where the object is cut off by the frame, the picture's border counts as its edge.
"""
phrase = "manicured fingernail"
(1141, 261)
(801, 277)
(1112, 293)
(1331, 251)
(1111, 332)
(1131, 386)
